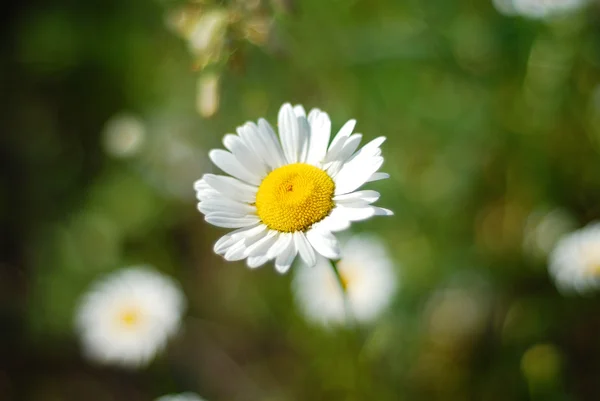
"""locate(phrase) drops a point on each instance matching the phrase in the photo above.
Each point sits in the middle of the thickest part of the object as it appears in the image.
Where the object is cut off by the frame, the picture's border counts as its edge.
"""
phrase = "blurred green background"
(493, 126)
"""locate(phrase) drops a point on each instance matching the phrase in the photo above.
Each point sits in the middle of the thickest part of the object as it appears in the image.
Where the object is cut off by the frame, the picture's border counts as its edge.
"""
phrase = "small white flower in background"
(369, 281)
(288, 195)
(575, 261)
(207, 94)
(180, 397)
(537, 9)
(128, 316)
(543, 228)
(124, 135)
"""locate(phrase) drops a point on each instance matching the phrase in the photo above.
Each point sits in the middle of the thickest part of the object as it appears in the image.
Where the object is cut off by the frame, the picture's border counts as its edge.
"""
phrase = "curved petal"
(232, 188)
(354, 175)
(271, 143)
(284, 260)
(324, 242)
(231, 165)
(245, 155)
(305, 250)
(342, 134)
(320, 132)
(228, 221)
(292, 133)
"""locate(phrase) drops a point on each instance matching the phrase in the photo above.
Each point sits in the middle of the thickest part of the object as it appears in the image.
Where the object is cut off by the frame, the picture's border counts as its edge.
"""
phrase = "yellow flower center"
(294, 197)
(129, 318)
(593, 269)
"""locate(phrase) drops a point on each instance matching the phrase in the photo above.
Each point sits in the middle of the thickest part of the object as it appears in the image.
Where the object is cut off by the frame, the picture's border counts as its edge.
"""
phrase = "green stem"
(340, 280)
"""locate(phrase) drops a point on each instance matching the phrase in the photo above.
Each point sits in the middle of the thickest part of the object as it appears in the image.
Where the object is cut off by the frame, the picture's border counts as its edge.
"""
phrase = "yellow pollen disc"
(593, 269)
(347, 276)
(294, 197)
(129, 317)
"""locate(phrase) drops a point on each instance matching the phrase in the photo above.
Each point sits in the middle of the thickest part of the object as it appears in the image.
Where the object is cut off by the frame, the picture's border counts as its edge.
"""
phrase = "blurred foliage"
(493, 124)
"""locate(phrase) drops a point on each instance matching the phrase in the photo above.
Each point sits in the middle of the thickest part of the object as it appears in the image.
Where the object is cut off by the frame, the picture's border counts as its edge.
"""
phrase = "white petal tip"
(379, 211)
(282, 269)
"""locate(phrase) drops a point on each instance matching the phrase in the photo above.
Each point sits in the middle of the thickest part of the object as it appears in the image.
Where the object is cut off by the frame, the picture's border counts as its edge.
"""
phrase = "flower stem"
(343, 288)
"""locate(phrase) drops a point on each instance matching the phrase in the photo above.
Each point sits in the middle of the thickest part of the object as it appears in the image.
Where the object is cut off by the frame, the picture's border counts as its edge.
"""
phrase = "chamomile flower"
(180, 397)
(287, 196)
(538, 9)
(128, 316)
(368, 279)
(575, 261)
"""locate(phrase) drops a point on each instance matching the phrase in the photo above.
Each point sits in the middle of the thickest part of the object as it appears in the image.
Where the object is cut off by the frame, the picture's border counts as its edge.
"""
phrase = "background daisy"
(180, 397)
(367, 274)
(575, 261)
(128, 316)
(287, 196)
(538, 8)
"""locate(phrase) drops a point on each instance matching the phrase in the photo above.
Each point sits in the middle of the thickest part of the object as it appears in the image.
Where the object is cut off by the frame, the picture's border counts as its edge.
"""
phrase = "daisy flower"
(287, 196)
(537, 9)
(575, 261)
(368, 279)
(180, 397)
(128, 316)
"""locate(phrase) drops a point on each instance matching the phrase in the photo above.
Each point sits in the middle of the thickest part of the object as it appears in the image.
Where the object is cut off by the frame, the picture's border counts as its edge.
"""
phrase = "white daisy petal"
(378, 176)
(353, 175)
(230, 164)
(261, 144)
(358, 198)
(280, 245)
(345, 149)
(342, 134)
(248, 235)
(229, 221)
(201, 185)
(226, 205)
(257, 261)
(289, 133)
(223, 244)
(324, 242)
(356, 213)
(304, 249)
(380, 211)
(232, 188)
(320, 132)
(205, 191)
(245, 156)
(260, 248)
(271, 144)
(336, 221)
(299, 111)
(284, 260)
(304, 137)
(236, 252)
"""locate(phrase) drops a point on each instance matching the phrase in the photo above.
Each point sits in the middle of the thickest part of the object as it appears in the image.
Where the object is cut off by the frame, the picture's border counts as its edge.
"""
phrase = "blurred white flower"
(180, 397)
(458, 312)
(368, 275)
(128, 316)
(537, 9)
(575, 261)
(207, 37)
(287, 195)
(124, 135)
(172, 158)
(543, 229)
(207, 94)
